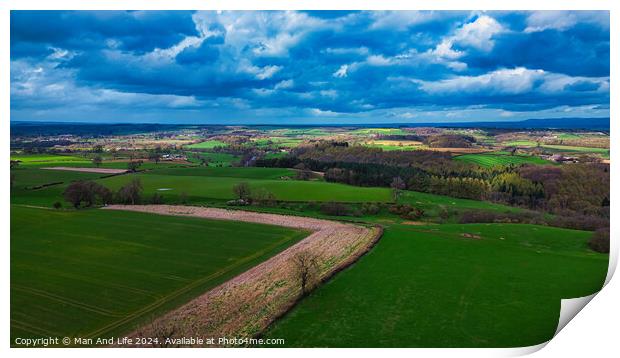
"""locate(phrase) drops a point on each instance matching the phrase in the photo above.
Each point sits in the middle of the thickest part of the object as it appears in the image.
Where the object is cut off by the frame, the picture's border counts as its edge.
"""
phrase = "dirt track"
(245, 305)
(89, 170)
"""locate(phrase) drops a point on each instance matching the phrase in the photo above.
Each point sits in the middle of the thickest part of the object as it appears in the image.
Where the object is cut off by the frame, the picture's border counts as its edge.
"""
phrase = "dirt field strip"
(89, 170)
(245, 305)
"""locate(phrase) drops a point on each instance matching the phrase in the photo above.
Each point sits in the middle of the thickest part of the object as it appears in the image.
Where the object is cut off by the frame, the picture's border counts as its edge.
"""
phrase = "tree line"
(575, 189)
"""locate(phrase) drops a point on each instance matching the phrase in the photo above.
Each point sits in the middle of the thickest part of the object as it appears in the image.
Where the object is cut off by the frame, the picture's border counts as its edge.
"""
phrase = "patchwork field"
(573, 149)
(208, 144)
(96, 272)
(397, 145)
(493, 159)
(437, 286)
(46, 158)
(215, 159)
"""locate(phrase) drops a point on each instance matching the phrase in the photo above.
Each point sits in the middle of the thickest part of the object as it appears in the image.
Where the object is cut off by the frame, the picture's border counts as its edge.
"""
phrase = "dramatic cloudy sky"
(308, 67)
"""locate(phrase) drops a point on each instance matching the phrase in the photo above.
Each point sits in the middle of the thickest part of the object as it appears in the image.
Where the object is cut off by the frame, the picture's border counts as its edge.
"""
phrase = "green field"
(284, 142)
(568, 136)
(201, 186)
(44, 161)
(208, 144)
(239, 172)
(432, 204)
(393, 147)
(520, 143)
(30, 177)
(493, 159)
(96, 273)
(573, 149)
(215, 159)
(428, 286)
(47, 158)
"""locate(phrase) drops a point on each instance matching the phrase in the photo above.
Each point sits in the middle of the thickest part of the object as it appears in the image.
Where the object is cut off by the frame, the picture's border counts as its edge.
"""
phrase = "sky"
(308, 67)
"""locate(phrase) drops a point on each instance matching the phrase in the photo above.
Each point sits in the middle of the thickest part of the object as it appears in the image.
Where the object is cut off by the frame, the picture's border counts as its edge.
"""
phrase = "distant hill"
(542, 123)
(19, 128)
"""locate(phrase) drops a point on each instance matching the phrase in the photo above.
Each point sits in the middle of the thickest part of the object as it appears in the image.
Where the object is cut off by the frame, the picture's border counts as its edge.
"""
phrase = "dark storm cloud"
(305, 64)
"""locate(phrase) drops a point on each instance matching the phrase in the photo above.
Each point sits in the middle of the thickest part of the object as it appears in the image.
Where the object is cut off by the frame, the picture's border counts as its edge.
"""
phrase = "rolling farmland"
(493, 159)
(436, 286)
(95, 272)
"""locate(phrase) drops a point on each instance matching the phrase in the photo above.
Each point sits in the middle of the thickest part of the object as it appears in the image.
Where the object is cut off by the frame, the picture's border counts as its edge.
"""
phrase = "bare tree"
(154, 156)
(134, 165)
(97, 161)
(131, 192)
(397, 185)
(87, 193)
(242, 191)
(306, 266)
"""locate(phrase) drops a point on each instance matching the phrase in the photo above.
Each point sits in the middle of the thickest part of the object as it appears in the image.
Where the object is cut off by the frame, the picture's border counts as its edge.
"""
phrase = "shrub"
(133, 166)
(57, 205)
(335, 209)
(370, 209)
(242, 191)
(406, 211)
(237, 202)
(264, 197)
(600, 241)
(481, 216)
(86, 193)
(131, 192)
(157, 198)
(580, 222)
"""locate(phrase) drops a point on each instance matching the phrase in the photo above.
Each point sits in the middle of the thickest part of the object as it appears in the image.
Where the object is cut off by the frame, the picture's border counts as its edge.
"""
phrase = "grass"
(208, 144)
(201, 188)
(285, 142)
(390, 145)
(569, 136)
(431, 287)
(495, 159)
(520, 143)
(238, 172)
(574, 149)
(215, 159)
(31, 177)
(46, 158)
(98, 273)
(433, 204)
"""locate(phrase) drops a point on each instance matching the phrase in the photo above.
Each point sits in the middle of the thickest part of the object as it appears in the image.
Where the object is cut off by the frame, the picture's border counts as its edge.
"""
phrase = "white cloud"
(347, 50)
(503, 81)
(477, 34)
(329, 93)
(511, 82)
(563, 20)
(284, 84)
(267, 72)
(269, 34)
(321, 113)
(378, 60)
(342, 71)
(400, 20)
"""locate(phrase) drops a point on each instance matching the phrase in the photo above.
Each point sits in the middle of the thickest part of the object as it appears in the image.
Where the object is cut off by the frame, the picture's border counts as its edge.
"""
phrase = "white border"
(593, 331)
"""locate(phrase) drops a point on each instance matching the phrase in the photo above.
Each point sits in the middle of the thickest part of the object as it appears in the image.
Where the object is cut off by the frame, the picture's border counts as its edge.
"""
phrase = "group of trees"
(88, 193)
(575, 189)
(245, 195)
(449, 141)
